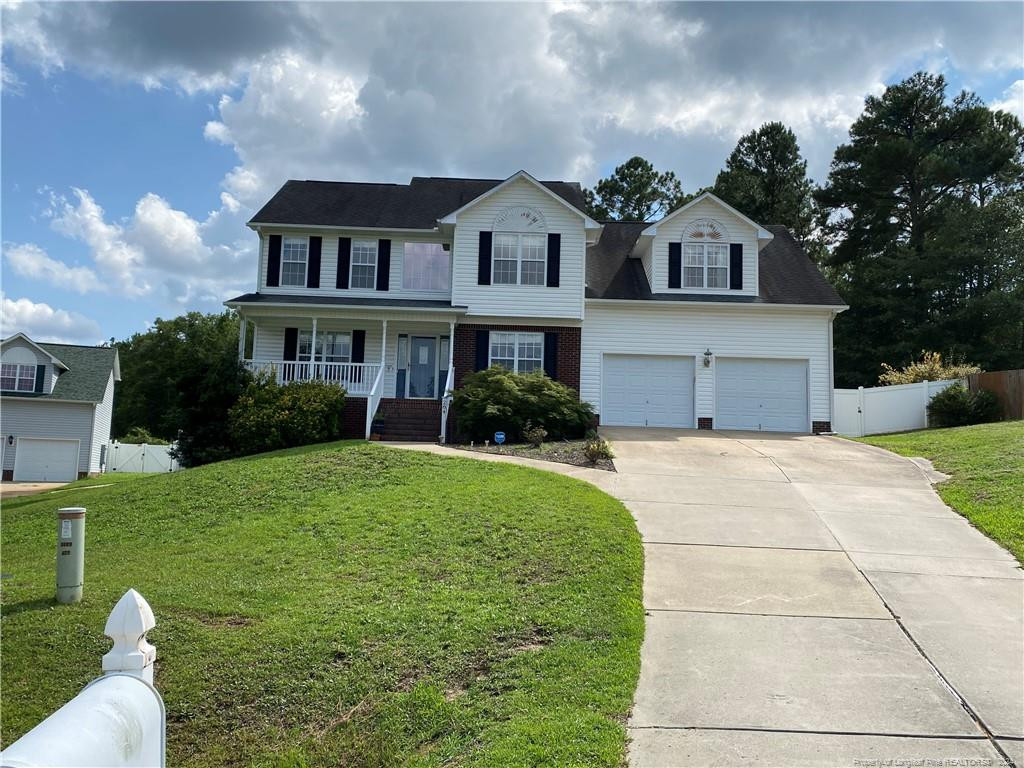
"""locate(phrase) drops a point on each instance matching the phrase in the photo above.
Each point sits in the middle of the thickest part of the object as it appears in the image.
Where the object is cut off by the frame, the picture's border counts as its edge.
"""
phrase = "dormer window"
(520, 247)
(294, 253)
(15, 377)
(705, 255)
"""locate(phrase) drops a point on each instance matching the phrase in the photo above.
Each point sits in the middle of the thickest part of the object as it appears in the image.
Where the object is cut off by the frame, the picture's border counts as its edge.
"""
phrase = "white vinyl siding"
(35, 418)
(657, 329)
(672, 231)
(519, 300)
(329, 267)
(102, 419)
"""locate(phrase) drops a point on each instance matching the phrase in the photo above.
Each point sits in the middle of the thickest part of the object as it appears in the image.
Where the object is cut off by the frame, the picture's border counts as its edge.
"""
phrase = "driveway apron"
(812, 602)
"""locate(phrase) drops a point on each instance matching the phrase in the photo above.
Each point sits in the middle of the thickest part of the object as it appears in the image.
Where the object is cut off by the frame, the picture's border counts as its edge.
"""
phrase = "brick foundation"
(8, 475)
(817, 427)
(464, 351)
(353, 418)
(704, 423)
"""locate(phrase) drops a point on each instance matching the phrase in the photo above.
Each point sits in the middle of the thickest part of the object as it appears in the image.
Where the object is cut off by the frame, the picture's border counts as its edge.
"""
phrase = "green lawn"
(987, 465)
(345, 604)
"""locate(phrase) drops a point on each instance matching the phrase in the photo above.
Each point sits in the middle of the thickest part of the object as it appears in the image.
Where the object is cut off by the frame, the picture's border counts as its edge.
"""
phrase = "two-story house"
(56, 406)
(702, 319)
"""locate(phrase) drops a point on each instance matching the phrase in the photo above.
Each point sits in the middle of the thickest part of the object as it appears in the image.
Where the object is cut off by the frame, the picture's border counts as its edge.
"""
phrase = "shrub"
(496, 400)
(955, 406)
(596, 448)
(140, 435)
(269, 416)
(534, 435)
(930, 367)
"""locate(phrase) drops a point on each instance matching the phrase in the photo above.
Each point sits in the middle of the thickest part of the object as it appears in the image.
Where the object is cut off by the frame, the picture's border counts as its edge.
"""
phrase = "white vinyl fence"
(876, 410)
(140, 457)
(116, 720)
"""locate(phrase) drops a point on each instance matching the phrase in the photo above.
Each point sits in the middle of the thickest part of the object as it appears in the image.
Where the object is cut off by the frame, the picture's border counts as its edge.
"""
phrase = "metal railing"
(373, 399)
(357, 378)
(446, 404)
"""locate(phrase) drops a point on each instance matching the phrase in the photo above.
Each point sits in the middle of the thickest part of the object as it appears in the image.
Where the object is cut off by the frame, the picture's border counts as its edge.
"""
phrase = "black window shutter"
(344, 259)
(483, 347)
(291, 343)
(483, 268)
(313, 266)
(736, 266)
(383, 264)
(40, 377)
(675, 265)
(551, 354)
(554, 259)
(274, 262)
(358, 346)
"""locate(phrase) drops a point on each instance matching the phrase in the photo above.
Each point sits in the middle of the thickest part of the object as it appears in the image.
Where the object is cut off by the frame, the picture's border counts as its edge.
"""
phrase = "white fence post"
(876, 410)
(860, 411)
(116, 720)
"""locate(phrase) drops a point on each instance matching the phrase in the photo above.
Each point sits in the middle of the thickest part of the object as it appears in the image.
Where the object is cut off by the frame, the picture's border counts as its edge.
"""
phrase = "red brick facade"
(704, 422)
(817, 427)
(568, 363)
(353, 418)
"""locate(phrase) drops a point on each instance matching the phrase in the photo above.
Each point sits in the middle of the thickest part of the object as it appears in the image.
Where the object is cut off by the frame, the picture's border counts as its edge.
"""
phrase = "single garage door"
(761, 394)
(647, 391)
(50, 461)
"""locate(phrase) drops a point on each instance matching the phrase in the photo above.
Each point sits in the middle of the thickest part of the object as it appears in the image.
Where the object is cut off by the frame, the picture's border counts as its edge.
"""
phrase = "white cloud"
(1013, 100)
(29, 260)
(158, 251)
(41, 322)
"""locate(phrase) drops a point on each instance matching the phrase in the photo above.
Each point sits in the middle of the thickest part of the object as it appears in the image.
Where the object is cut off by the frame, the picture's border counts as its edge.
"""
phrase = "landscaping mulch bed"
(561, 451)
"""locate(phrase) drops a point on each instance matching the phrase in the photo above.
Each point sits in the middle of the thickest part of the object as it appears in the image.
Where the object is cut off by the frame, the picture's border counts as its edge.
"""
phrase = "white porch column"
(451, 348)
(383, 342)
(241, 336)
(312, 352)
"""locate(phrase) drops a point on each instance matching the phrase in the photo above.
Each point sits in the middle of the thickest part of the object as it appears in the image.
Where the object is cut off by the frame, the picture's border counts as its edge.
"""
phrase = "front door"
(423, 367)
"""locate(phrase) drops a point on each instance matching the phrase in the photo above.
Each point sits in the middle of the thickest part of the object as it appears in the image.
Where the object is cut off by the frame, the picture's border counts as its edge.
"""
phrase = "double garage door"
(41, 460)
(757, 394)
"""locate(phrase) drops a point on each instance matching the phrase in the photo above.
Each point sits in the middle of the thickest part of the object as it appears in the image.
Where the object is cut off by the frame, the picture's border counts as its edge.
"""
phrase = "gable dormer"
(705, 247)
(27, 368)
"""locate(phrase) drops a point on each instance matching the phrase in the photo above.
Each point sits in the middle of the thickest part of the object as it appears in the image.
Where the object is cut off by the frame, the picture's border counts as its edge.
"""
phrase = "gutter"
(834, 308)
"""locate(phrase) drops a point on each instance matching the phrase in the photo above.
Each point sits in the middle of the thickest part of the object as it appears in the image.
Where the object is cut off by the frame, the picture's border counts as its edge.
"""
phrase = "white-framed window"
(294, 253)
(519, 352)
(331, 346)
(424, 267)
(519, 258)
(15, 377)
(705, 265)
(364, 264)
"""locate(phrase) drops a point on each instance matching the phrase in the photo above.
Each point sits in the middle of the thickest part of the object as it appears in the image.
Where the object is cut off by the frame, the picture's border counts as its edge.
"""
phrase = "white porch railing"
(373, 399)
(446, 403)
(357, 378)
(116, 720)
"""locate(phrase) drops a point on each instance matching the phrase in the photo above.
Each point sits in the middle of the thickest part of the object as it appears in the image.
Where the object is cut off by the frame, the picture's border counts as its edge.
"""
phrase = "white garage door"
(761, 394)
(51, 461)
(647, 391)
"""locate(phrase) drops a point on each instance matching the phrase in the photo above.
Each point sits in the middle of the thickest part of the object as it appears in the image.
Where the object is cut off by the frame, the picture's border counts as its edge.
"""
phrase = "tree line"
(919, 224)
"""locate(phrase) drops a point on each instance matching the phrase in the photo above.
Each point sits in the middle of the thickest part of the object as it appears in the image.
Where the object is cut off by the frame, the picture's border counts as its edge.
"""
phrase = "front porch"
(394, 357)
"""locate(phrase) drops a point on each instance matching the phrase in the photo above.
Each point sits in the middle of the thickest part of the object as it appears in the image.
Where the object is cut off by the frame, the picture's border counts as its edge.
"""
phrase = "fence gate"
(134, 457)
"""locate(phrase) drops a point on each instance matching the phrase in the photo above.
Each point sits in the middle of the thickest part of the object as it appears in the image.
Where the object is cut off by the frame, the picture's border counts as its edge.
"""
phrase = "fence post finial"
(127, 626)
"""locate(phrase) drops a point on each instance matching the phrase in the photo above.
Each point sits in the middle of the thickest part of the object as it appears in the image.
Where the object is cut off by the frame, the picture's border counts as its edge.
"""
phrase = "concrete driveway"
(8, 490)
(811, 601)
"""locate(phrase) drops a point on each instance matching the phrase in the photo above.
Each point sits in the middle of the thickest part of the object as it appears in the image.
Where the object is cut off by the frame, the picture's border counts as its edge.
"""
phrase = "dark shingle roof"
(354, 301)
(86, 378)
(416, 205)
(786, 274)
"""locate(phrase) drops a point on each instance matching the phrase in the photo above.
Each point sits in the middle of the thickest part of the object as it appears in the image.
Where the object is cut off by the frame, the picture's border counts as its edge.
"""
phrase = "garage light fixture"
(707, 358)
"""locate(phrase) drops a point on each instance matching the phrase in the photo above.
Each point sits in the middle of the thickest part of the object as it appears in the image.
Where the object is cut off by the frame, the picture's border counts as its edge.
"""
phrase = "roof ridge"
(62, 344)
(360, 183)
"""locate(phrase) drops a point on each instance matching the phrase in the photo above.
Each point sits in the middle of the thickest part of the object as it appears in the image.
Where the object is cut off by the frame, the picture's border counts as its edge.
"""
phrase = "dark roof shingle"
(416, 205)
(87, 375)
(786, 274)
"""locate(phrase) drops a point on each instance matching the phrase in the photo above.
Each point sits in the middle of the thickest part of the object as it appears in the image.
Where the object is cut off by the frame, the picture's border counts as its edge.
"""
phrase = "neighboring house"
(702, 319)
(56, 403)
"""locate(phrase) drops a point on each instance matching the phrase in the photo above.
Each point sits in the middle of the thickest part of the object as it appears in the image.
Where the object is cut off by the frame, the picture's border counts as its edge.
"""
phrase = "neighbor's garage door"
(51, 461)
(761, 394)
(647, 391)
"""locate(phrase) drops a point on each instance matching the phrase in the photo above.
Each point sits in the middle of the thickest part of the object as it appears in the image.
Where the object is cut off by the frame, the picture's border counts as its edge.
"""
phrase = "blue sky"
(137, 139)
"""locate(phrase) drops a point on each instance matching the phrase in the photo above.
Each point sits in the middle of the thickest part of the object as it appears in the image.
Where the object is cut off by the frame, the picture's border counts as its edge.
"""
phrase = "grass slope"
(346, 604)
(987, 465)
